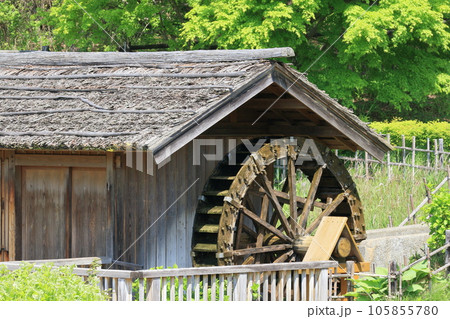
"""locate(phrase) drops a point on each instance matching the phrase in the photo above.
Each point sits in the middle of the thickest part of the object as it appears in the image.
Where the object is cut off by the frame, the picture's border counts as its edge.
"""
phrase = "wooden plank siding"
(143, 200)
(107, 210)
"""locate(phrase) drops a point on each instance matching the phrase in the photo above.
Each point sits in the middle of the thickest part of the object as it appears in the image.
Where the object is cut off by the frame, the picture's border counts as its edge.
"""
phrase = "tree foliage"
(385, 58)
(21, 25)
(110, 24)
(393, 53)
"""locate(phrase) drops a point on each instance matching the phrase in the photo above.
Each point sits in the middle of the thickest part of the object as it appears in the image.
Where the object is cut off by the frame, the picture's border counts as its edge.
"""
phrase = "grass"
(382, 197)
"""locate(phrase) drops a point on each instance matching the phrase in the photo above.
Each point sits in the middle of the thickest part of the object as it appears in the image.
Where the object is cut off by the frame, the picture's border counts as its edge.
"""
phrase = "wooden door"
(44, 212)
(89, 213)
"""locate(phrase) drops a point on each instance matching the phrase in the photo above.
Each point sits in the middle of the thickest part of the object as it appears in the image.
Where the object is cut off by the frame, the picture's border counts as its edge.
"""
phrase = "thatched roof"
(108, 100)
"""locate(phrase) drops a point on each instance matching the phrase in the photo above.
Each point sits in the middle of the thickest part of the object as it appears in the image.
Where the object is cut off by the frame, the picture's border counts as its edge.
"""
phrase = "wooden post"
(124, 290)
(392, 282)
(427, 190)
(403, 150)
(390, 221)
(428, 152)
(436, 156)
(411, 201)
(366, 164)
(413, 147)
(323, 285)
(350, 265)
(441, 151)
(154, 289)
(447, 251)
(388, 159)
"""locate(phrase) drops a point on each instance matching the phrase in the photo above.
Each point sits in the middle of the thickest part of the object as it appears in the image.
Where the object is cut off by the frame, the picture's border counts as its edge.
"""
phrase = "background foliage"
(421, 130)
(391, 61)
(47, 284)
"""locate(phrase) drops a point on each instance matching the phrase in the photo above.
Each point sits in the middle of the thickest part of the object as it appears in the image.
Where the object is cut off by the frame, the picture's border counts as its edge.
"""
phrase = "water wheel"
(244, 217)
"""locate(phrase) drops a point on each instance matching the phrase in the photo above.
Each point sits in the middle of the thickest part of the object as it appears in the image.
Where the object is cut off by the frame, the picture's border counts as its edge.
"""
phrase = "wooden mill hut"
(68, 186)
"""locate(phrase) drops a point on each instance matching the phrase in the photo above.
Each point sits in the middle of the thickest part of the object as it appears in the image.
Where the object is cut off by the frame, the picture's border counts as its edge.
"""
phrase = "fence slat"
(180, 288)
(189, 288)
(304, 290)
(288, 286)
(164, 289)
(205, 287)
(296, 283)
(172, 289)
(221, 288)
(266, 286)
(197, 287)
(213, 287)
(273, 286)
(124, 290)
(154, 286)
(311, 285)
(240, 289)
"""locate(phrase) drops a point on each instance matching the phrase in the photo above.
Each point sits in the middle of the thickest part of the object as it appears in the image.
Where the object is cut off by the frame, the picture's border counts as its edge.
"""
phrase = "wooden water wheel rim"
(276, 234)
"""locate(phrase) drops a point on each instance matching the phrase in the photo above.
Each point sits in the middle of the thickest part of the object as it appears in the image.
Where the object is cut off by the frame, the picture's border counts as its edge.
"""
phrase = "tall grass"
(382, 197)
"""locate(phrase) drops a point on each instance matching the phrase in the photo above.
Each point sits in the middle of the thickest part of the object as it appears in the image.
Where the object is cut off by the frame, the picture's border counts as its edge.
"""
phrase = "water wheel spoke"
(311, 196)
(327, 211)
(264, 213)
(260, 250)
(278, 209)
(260, 221)
(283, 257)
(284, 198)
(292, 181)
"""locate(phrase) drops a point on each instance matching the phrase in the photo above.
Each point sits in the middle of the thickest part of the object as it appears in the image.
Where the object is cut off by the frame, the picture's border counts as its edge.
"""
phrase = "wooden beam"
(310, 198)
(278, 209)
(328, 110)
(259, 129)
(61, 160)
(139, 58)
(257, 250)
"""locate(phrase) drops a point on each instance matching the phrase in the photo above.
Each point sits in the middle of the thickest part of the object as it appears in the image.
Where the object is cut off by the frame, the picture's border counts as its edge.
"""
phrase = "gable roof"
(157, 100)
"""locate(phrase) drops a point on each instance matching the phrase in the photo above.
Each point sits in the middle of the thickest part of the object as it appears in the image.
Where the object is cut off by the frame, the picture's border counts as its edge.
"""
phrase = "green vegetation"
(414, 286)
(46, 283)
(422, 131)
(394, 55)
(437, 215)
(391, 61)
(382, 197)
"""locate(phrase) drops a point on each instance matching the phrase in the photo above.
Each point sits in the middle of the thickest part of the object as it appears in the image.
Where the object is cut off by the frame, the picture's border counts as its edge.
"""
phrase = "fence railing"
(298, 281)
(394, 275)
(435, 158)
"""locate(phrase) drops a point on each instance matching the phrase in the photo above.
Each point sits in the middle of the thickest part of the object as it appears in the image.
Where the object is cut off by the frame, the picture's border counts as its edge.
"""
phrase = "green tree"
(394, 55)
(108, 24)
(20, 24)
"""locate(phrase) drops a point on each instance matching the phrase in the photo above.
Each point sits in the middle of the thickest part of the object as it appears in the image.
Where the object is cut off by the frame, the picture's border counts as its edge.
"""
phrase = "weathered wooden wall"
(7, 206)
(60, 206)
(155, 214)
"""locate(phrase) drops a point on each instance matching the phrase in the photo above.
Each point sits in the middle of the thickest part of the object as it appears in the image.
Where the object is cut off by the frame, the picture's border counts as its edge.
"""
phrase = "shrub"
(422, 131)
(437, 215)
(47, 283)
(376, 288)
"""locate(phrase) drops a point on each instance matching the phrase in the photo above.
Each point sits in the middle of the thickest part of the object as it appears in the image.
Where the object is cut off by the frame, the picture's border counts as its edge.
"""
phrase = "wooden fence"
(394, 276)
(299, 281)
(436, 158)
